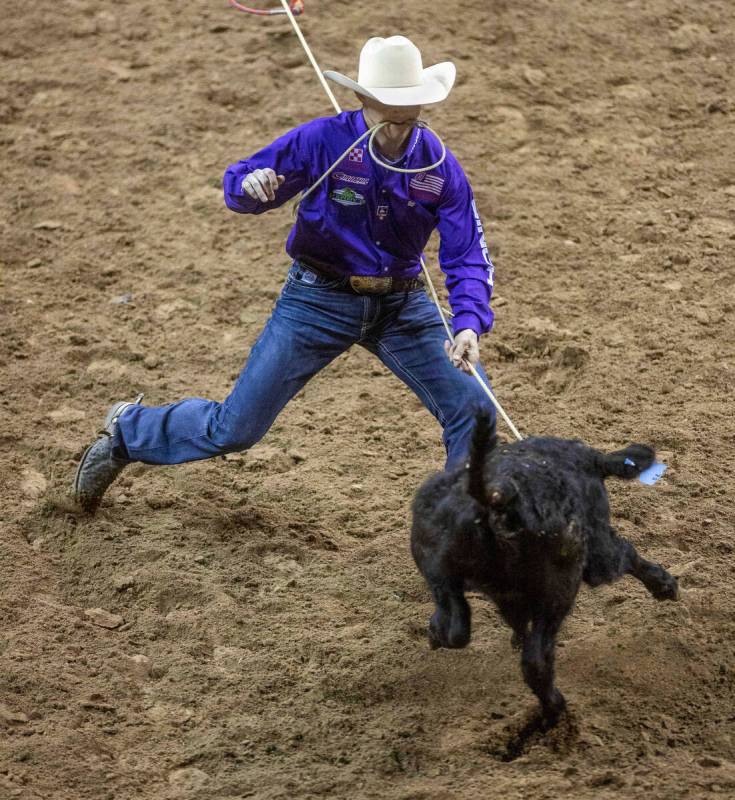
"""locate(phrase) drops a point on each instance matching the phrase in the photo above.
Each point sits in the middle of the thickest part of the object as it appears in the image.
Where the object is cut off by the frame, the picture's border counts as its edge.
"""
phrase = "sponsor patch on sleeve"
(483, 243)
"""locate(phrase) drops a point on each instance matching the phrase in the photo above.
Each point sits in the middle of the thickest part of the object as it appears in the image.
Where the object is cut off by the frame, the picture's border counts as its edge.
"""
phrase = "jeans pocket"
(301, 275)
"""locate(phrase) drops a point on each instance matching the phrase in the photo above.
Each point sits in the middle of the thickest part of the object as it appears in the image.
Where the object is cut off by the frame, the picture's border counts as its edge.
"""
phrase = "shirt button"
(378, 243)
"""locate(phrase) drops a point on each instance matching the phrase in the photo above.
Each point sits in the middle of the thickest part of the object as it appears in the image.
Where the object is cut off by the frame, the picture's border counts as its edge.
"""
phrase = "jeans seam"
(437, 411)
(365, 309)
(167, 445)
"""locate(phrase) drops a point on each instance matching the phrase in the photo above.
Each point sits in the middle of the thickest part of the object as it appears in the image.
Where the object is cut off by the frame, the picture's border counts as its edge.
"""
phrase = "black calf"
(525, 523)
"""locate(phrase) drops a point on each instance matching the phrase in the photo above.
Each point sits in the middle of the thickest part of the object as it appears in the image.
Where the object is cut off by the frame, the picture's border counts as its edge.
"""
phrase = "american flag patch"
(356, 154)
(427, 184)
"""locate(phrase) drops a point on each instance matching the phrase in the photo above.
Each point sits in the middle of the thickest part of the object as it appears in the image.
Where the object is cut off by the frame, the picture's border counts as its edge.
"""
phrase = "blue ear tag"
(653, 473)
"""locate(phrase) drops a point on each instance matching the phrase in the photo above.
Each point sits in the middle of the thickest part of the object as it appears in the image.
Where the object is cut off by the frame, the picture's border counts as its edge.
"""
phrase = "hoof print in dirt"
(558, 733)
(525, 524)
(514, 738)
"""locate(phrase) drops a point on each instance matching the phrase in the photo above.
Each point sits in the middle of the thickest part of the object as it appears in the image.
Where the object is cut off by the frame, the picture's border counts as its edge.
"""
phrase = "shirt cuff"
(465, 320)
(243, 203)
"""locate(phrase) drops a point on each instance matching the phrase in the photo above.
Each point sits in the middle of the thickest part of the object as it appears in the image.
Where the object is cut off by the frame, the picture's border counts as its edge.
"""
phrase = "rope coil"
(372, 132)
(419, 123)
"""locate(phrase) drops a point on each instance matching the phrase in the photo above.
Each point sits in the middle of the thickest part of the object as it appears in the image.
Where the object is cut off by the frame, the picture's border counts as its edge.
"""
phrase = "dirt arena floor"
(260, 626)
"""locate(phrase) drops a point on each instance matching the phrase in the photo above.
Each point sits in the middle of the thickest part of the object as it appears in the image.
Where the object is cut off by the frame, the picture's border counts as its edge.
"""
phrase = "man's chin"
(398, 128)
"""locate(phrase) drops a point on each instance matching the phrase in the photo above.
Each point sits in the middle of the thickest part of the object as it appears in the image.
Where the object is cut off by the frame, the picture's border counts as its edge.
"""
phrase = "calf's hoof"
(552, 711)
(450, 635)
(666, 589)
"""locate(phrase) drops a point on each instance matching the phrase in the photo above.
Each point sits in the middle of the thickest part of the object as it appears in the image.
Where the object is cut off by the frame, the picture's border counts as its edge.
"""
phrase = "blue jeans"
(312, 323)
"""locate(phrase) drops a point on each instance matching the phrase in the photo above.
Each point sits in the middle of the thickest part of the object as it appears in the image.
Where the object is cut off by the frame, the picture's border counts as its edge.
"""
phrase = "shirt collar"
(413, 140)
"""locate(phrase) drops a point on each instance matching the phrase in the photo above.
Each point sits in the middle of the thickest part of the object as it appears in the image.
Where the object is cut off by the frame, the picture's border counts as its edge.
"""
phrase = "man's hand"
(465, 348)
(262, 184)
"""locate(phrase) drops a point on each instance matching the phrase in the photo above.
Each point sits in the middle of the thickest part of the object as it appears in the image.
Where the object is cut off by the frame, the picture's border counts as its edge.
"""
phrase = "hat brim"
(436, 83)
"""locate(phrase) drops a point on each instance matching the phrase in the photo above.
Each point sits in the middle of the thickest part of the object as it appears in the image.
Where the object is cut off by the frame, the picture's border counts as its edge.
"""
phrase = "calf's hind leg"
(660, 583)
(617, 557)
(450, 624)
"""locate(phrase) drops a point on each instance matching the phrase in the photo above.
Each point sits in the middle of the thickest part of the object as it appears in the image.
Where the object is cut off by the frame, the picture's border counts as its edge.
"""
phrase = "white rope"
(421, 124)
(308, 52)
(372, 133)
(471, 367)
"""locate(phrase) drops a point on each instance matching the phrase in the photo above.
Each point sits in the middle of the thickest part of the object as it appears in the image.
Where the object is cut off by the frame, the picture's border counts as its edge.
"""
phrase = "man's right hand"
(262, 184)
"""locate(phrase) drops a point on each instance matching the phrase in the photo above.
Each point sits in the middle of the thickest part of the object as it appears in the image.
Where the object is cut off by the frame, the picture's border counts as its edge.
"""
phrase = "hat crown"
(391, 62)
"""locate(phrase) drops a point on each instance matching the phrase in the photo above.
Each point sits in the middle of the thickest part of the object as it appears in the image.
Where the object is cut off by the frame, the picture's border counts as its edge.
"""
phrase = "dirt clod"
(102, 618)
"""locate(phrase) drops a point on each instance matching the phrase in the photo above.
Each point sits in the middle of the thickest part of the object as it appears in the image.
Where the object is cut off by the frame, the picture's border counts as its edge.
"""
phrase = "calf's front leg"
(537, 661)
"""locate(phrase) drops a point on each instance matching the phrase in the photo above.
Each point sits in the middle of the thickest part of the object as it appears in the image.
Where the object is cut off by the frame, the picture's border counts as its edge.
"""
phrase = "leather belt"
(367, 284)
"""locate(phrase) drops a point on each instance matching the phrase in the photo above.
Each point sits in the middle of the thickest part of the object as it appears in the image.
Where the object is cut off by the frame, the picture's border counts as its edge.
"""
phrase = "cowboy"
(355, 248)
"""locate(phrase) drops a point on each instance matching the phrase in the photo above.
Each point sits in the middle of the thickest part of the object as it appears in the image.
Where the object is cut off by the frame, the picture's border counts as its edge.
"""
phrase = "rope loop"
(420, 124)
(372, 132)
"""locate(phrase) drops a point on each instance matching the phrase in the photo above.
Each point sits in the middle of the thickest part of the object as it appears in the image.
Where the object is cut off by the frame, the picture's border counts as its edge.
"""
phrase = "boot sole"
(82, 461)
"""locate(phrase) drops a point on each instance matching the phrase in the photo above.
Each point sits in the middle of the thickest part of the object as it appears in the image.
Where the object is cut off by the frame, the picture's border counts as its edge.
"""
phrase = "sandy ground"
(270, 632)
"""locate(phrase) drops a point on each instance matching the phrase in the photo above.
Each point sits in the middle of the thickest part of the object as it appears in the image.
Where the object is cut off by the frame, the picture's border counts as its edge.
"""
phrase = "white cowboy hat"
(392, 73)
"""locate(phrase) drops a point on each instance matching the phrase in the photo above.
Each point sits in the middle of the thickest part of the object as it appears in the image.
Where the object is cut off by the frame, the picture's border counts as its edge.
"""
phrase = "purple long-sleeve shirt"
(367, 220)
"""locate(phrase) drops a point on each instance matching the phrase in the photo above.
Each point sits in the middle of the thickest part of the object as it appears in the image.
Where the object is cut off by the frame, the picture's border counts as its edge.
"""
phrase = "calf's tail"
(628, 463)
(483, 441)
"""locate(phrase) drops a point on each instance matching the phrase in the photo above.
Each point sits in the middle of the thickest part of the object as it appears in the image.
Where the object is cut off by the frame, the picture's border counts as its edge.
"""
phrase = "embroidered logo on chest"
(347, 178)
(355, 162)
(347, 197)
